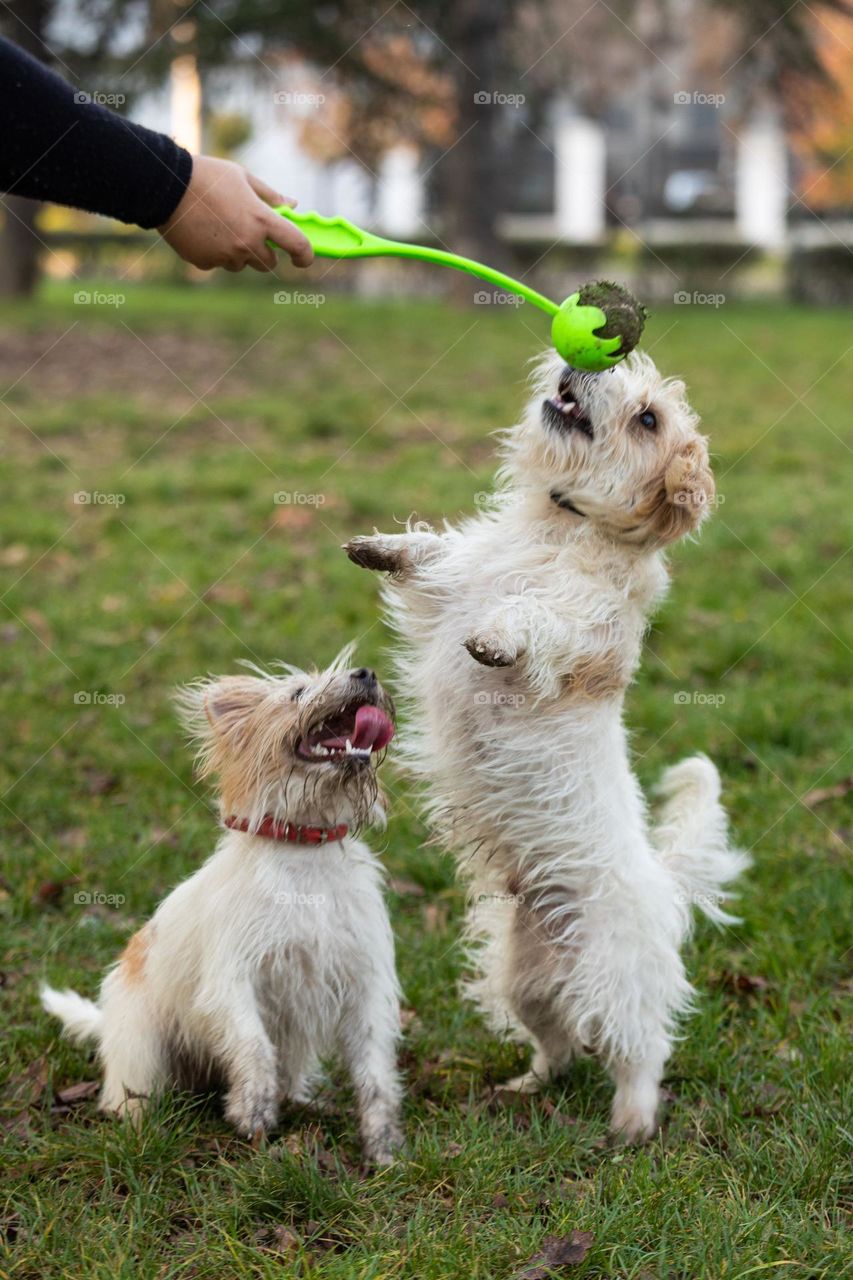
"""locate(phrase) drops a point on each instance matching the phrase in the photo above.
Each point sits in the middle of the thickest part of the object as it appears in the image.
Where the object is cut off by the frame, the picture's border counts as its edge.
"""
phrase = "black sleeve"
(60, 146)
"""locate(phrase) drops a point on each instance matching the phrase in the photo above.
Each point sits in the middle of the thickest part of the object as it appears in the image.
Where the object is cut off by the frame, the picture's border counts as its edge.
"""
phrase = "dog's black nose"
(364, 675)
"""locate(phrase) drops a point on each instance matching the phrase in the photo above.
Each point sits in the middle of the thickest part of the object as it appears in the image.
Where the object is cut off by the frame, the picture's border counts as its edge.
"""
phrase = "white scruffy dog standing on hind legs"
(521, 630)
(279, 949)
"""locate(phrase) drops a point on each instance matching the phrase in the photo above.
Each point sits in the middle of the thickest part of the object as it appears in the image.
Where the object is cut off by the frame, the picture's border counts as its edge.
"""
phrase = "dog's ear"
(229, 702)
(680, 497)
(217, 708)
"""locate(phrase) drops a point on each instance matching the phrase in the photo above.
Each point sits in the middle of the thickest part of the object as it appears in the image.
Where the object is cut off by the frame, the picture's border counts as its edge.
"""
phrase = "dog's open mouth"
(356, 733)
(563, 412)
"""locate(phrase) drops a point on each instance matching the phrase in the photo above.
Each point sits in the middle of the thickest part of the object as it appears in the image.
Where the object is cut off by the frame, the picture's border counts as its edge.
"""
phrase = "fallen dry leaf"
(554, 1113)
(99, 782)
(742, 984)
(23, 1092)
(78, 1092)
(557, 1253)
(837, 791)
(284, 1240)
(50, 892)
(27, 1088)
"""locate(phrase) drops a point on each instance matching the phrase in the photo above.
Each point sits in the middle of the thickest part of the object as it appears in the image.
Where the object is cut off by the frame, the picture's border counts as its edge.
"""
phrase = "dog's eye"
(649, 420)
(297, 693)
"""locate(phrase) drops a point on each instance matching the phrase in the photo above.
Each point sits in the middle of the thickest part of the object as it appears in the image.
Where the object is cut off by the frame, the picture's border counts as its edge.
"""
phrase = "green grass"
(378, 410)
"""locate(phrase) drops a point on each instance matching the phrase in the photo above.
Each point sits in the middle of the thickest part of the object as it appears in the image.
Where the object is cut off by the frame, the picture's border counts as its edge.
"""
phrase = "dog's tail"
(82, 1018)
(691, 836)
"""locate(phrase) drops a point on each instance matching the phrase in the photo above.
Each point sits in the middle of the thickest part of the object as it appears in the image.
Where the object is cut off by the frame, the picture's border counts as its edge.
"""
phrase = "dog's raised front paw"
(491, 651)
(376, 553)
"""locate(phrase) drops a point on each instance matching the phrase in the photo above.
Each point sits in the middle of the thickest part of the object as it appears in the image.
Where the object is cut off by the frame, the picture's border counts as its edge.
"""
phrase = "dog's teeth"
(568, 406)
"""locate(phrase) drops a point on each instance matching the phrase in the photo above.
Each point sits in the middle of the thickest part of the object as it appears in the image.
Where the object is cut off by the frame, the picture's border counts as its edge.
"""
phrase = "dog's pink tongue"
(373, 730)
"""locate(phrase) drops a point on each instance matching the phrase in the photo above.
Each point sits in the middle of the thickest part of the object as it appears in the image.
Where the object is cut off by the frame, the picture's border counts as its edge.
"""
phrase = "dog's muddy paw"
(530, 1082)
(383, 1148)
(632, 1125)
(490, 652)
(374, 553)
(253, 1111)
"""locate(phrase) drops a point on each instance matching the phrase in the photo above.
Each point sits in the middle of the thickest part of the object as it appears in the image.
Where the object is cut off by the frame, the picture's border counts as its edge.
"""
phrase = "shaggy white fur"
(273, 954)
(522, 629)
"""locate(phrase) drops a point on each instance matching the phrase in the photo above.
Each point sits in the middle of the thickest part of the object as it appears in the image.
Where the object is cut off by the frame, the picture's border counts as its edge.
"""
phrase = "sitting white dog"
(522, 629)
(279, 949)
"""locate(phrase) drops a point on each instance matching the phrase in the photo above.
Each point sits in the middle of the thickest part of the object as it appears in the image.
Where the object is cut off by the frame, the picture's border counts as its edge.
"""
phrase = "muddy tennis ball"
(596, 327)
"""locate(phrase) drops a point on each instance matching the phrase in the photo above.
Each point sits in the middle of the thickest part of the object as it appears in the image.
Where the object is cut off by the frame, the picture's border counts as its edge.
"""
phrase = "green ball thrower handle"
(338, 238)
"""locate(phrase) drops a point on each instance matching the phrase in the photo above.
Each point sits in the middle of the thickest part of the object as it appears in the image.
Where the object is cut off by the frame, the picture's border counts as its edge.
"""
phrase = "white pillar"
(399, 194)
(579, 177)
(761, 181)
(185, 85)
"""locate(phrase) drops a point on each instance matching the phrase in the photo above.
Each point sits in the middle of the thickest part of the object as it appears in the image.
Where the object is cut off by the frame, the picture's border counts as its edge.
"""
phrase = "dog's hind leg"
(537, 962)
(552, 1055)
(628, 988)
(132, 1049)
(397, 553)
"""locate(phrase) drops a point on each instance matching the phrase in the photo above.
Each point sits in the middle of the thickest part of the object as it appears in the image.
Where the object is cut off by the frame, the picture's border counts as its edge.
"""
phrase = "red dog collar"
(292, 832)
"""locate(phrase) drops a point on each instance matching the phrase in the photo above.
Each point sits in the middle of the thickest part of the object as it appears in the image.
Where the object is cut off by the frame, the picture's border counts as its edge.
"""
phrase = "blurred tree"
(777, 45)
(24, 21)
(823, 135)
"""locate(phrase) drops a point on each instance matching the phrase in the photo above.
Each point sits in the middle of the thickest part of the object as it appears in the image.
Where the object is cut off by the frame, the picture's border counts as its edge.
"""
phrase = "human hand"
(224, 219)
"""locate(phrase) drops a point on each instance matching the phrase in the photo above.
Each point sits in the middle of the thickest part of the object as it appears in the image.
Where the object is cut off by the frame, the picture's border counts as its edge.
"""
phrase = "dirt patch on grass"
(85, 360)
